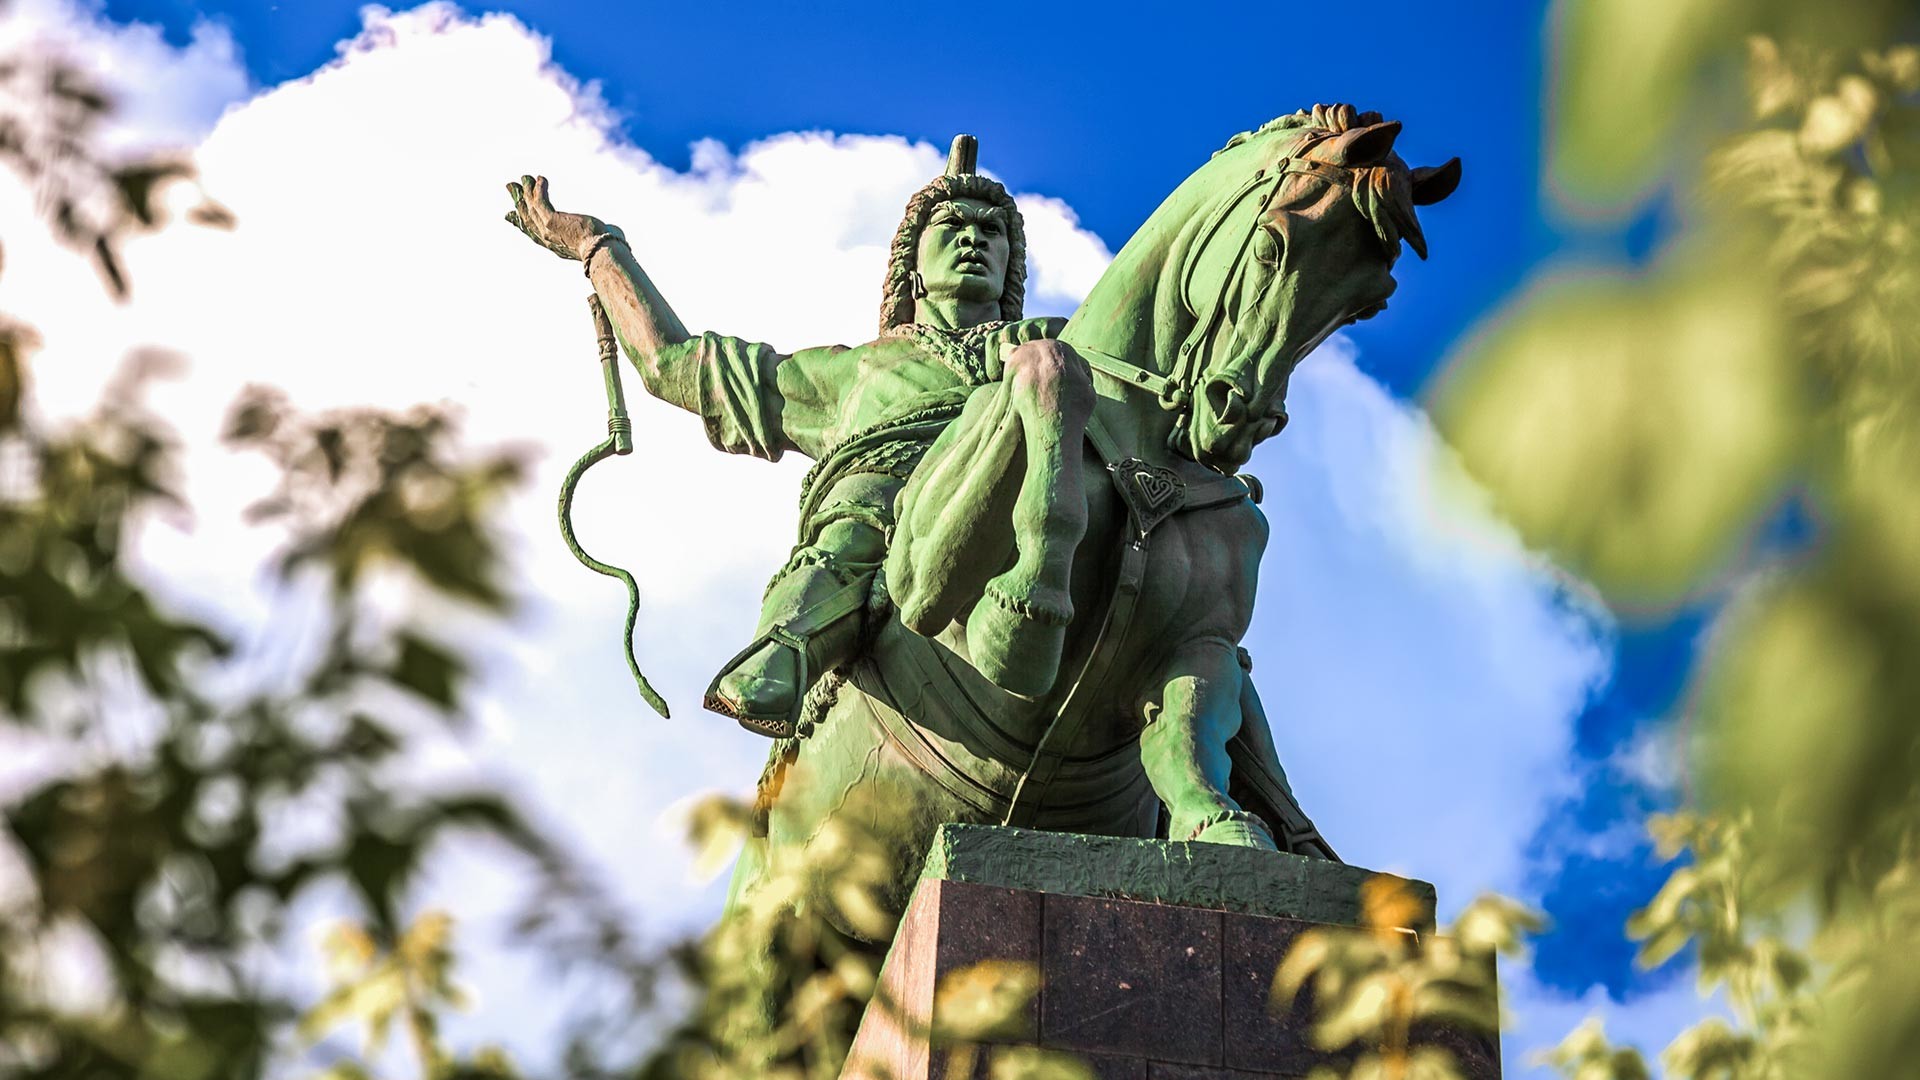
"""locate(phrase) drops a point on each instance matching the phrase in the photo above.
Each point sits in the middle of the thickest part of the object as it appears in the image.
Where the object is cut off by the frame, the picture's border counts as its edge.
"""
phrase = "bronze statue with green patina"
(952, 298)
(1055, 637)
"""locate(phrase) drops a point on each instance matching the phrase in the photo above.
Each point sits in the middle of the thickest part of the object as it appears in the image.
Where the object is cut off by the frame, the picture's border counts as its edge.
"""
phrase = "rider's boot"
(810, 623)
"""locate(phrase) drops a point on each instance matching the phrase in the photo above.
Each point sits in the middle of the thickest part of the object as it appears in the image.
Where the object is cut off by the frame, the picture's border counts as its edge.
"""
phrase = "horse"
(1075, 559)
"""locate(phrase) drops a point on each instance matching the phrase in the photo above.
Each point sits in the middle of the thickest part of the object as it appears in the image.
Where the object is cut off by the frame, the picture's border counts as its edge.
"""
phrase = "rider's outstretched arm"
(753, 399)
(644, 321)
(1190, 716)
(642, 317)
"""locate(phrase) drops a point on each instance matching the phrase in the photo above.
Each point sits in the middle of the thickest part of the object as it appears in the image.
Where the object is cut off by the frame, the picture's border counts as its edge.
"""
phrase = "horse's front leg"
(1192, 711)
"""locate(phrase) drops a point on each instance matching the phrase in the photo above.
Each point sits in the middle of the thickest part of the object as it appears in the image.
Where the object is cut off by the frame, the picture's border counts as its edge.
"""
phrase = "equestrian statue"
(1027, 555)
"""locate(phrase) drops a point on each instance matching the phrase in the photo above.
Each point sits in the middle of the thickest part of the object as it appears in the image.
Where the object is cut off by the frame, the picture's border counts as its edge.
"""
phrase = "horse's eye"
(1266, 246)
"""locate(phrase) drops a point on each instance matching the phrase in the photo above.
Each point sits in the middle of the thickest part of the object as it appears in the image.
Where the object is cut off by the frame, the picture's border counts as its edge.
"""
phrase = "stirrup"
(797, 634)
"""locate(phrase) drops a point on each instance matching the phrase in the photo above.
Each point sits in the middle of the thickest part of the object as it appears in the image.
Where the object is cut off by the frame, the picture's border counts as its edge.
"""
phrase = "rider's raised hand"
(566, 235)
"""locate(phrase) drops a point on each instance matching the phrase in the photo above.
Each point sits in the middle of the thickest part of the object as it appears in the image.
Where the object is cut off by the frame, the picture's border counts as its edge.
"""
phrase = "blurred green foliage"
(1379, 991)
(779, 988)
(149, 861)
(412, 982)
(1651, 429)
(50, 128)
(174, 789)
(1586, 1054)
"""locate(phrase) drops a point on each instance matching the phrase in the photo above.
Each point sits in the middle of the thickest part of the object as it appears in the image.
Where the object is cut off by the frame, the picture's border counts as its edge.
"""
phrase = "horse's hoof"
(1016, 652)
(1238, 830)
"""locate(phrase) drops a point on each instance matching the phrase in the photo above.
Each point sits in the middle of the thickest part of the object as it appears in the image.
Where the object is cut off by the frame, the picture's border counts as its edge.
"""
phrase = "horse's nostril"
(1229, 405)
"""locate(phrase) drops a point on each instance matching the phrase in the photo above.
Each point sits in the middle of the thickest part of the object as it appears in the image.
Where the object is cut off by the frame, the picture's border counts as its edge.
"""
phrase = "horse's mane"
(1383, 190)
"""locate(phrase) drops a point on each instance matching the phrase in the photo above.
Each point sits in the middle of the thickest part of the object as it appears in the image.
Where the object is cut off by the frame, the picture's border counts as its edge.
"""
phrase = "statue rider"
(952, 300)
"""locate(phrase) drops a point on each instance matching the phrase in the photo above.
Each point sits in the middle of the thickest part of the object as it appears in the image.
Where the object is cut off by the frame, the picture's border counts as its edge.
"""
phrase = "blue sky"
(1104, 106)
(1105, 109)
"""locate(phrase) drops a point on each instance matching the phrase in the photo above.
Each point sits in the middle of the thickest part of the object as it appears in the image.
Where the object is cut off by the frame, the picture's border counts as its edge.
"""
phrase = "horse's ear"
(1369, 145)
(1431, 183)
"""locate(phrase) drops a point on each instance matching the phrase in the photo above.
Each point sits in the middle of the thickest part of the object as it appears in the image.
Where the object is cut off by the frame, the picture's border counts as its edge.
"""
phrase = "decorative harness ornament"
(1152, 493)
(619, 441)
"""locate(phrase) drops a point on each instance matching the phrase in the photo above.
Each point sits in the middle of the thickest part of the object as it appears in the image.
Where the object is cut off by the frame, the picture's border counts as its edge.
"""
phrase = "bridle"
(1175, 392)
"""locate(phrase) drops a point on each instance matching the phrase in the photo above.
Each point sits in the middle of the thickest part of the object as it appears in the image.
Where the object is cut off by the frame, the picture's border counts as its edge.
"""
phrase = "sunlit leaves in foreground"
(1375, 986)
(1585, 1054)
(780, 983)
(190, 793)
(410, 982)
(1634, 428)
(989, 1001)
(1715, 904)
(1635, 86)
(51, 116)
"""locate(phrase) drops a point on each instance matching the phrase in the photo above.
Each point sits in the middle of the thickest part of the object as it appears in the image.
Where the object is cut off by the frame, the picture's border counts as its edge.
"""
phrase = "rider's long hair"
(896, 301)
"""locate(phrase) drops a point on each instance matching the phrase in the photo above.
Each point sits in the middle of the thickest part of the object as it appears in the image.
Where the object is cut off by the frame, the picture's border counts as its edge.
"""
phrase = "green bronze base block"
(1185, 873)
(1155, 959)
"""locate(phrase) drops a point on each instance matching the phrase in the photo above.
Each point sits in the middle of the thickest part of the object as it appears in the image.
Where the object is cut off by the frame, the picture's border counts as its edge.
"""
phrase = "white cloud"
(1542, 1017)
(1419, 668)
(167, 97)
(1653, 758)
(1420, 671)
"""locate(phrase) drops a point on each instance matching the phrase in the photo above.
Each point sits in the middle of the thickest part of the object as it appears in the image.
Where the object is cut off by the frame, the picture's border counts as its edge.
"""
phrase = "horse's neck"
(1134, 315)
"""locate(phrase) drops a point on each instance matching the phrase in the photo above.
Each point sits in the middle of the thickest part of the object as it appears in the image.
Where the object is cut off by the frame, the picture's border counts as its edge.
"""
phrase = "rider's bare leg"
(1017, 636)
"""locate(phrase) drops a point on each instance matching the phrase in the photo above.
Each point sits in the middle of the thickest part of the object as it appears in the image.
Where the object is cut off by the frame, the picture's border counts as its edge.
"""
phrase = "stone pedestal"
(1155, 957)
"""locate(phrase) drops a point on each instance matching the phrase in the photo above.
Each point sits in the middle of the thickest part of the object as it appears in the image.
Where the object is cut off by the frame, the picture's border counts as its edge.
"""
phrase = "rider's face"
(963, 251)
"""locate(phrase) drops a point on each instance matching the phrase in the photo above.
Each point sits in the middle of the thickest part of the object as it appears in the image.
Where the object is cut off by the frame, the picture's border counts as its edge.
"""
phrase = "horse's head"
(1300, 240)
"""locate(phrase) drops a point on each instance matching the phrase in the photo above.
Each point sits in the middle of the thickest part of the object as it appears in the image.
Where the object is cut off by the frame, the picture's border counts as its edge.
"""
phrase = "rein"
(619, 441)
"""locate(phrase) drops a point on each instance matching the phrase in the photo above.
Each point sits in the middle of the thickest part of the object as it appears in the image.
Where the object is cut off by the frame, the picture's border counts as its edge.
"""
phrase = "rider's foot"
(761, 691)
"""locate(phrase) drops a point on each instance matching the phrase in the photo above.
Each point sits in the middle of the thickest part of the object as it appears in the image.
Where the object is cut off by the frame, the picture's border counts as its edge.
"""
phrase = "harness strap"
(1176, 392)
(1108, 364)
(1207, 321)
(1220, 491)
(1151, 495)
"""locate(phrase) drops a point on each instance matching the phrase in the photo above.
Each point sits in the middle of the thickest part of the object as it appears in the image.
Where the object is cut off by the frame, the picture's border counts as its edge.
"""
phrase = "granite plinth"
(1155, 958)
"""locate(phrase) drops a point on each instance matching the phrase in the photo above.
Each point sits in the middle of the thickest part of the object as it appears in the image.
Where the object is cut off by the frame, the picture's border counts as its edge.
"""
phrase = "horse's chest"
(1197, 581)
(1195, 578)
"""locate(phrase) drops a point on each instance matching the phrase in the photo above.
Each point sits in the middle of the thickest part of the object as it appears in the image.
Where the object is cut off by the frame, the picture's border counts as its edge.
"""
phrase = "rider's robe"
(756, 400)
